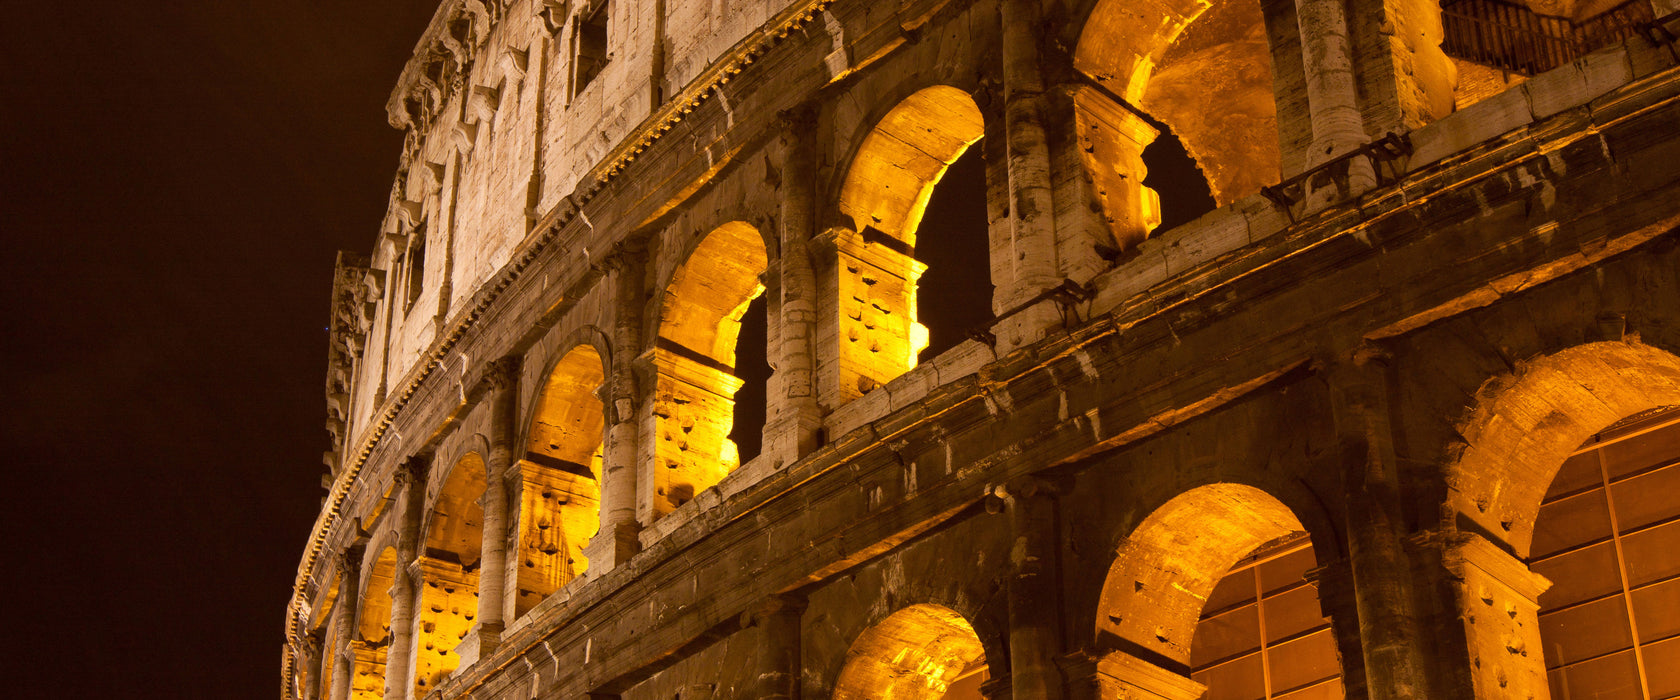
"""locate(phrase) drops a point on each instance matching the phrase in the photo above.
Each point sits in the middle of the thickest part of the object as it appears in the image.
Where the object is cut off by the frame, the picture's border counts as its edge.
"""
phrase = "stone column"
(1035, 619)
(344, 620)
(617, 539)
(1332, 93)
(1382, 580)
(309, 666)
(796, 414)
(779, 650)
(1338, 601)
(1031, 198)
(399, 658)
(502, 378)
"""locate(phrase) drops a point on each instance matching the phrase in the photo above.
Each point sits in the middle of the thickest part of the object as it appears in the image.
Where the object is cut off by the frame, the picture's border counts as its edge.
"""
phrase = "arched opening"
(886, 194)
(1213, 586)
(559, 491)
(1564, 468)
(957, 284)
(449, 573)
(694, 403)
(1202, 69)
(1608, 538)
(923, 652)
(373, 629)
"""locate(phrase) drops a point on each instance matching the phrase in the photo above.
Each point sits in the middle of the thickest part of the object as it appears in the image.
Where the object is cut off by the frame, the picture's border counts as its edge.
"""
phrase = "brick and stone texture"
(1366, 368)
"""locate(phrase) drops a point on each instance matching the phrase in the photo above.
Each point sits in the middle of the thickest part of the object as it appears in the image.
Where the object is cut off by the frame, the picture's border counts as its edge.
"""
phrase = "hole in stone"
(954, 296)
(752, 367)
(1173, 175)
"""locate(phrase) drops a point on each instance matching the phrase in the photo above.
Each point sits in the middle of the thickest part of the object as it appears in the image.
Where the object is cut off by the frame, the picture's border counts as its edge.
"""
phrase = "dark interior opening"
(753, 368)
(954, 296)
(1174, 176)
(591, 47)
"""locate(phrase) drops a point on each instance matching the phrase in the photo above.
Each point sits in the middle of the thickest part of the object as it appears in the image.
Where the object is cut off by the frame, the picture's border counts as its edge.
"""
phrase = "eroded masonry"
(1396, 414)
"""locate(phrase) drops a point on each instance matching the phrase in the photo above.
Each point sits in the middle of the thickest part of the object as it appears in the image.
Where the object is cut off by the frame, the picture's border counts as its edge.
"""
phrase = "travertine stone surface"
(1386, 356)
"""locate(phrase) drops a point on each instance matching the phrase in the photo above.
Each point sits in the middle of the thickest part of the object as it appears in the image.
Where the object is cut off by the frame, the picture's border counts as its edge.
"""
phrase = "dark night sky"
(176, 177)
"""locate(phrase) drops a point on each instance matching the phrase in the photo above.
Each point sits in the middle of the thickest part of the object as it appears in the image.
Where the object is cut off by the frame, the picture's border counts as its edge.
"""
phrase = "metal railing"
(1513, 37)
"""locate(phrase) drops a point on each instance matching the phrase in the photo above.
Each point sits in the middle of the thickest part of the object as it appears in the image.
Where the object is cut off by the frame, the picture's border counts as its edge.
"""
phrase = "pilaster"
(501, 378)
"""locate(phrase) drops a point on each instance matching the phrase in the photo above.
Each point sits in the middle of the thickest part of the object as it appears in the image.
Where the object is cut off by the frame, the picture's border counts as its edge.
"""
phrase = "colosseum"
(650, 388)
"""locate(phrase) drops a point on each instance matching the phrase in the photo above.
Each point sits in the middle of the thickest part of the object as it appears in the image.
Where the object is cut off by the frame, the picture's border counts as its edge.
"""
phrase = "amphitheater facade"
(1391, 419)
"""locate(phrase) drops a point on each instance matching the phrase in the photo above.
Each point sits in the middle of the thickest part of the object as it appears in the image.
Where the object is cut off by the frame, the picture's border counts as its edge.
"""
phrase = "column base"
(612, 547)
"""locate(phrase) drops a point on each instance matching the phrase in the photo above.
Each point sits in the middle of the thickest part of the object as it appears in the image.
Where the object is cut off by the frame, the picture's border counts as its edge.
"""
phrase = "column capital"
(412, 470)
(350, 560)
(502, 373)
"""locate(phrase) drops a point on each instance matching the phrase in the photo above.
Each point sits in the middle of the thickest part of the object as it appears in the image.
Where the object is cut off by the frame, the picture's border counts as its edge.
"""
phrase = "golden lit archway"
(885, 193)
(922, 652)
(700, 322)
(1213, 581)
(1527, 424)
(449, 572)
(1203, 68)
(559, 491)
(373, 629)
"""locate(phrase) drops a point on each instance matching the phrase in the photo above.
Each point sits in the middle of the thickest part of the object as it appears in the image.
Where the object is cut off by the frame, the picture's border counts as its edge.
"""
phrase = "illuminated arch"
(917, 653)
(699, 324)
(1216, 558)
(449, 572)
(559, 491)
(373, 628)
(885, 193)
(1526, 424)
(1212, 85)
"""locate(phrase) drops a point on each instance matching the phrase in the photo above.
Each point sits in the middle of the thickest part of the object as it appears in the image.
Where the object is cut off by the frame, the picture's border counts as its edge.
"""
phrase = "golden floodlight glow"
(914, 654)
(885, 193)
(700, 322)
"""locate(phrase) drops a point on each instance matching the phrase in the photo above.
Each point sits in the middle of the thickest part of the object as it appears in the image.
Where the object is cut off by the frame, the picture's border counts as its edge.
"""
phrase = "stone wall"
(1350, 355)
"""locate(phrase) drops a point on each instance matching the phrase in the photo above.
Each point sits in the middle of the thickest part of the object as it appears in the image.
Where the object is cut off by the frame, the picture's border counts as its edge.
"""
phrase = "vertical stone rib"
(503, 377)
(1393, 655)
(1035, 630)
(1332, 96)
(620, 463)
(344, 620)
(1033, 254)
(799, 285)
(780, 655)
(411, 482)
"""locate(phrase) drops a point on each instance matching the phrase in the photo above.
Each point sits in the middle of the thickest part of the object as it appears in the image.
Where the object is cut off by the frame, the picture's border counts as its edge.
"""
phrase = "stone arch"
(884, 193)
(1523, 426)
(449, 571)
(1171, 60)
(694, 358)
(373, 627)
(558, 493)
(1174, 576)
(918, 652)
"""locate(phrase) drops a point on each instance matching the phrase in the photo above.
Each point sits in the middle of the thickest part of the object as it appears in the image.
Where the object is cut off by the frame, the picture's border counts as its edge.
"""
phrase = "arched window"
(1214, 581)
(559, 490)
(923, 652)
(694, 403)
(373, 629)
(449, 572)
(1174, 63)
(1608, 538)
(886, 192)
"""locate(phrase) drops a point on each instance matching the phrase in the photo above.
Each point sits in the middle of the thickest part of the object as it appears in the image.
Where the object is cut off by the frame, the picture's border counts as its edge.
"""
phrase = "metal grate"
(1512, 37)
